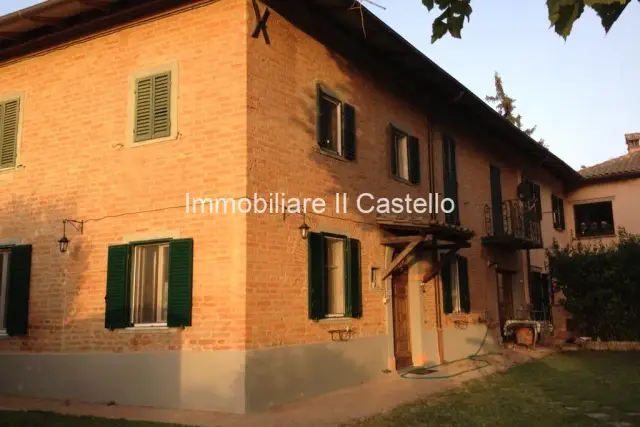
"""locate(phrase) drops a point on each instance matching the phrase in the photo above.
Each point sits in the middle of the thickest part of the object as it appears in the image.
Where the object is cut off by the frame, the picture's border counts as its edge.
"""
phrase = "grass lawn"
(48, 419)
(558, 391)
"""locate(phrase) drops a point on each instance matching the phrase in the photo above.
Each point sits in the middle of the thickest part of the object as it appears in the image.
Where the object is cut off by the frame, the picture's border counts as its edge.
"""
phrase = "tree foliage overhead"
(599, 284)
(505, 105)
(562, 14)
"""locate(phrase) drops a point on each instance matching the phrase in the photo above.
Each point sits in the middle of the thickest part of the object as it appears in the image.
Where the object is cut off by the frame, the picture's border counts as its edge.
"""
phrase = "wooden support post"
(397, 260)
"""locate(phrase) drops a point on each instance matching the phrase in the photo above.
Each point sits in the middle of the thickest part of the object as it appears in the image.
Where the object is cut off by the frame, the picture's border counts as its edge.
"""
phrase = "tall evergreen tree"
(505, 105)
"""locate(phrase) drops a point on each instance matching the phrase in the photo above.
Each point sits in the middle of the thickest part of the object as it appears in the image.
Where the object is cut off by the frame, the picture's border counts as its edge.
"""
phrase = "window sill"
(133, 144)
(332, 154)
(334, 320)
(147, 329)
(403, 181)
(458, 316)
(7, 171)
(596, 236)
(3, 334)
(561, 230)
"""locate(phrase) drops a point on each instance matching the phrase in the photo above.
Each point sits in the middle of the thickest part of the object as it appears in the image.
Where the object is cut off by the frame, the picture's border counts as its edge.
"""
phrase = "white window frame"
(4, 287)
(402, 138)
(456, 303)
(135, 270)
(327, 267)
(339, 151)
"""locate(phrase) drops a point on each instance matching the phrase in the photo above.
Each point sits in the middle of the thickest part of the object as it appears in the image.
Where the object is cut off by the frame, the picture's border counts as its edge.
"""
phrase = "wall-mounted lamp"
(304, 228)
(64, 242)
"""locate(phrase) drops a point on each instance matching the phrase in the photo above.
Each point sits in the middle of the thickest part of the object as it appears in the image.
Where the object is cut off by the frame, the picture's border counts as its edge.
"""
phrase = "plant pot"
(524, 336)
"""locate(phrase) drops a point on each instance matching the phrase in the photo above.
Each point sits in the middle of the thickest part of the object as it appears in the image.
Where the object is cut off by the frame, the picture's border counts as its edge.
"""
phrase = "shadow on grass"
(556, 391)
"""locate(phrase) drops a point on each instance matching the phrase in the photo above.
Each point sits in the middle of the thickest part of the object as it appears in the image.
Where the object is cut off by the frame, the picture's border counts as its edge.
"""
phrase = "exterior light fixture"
(64, 242)
(304, 229)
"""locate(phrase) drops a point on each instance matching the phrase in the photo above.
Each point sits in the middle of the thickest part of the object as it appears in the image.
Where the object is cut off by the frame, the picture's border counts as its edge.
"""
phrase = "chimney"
(633, 142)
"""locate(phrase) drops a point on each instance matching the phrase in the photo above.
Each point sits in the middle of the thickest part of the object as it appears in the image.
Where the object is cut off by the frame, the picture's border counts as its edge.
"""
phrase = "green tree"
(562, 14)
(505, 105)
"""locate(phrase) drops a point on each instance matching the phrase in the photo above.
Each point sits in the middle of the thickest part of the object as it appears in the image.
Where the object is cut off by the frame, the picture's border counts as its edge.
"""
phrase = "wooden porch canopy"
(411, 231)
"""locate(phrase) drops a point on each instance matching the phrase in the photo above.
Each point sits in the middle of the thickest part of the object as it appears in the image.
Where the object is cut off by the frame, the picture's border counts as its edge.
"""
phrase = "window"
(149, 284)
(535, 202)
(9, 120)
(450, 177)
(455, 286)
(4, 277)
(153, 105)
(336, 128)
(15, 274)
(594, 219)
(557, 207)
(334, 278)
(405, 156)
(335, 286)
(150, 280)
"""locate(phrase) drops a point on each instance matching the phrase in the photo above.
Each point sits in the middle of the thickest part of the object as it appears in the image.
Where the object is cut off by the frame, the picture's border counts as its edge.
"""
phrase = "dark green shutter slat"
(319, 135)
(349, 131)
(9, 133)
(496, 200)
(538, 202)
(463, 284)
(117, 299)
(180, 302)
(561, 209)
(354, 280)
(414, 159)
(161, 105)
(17, 320)
(554, 209)
(445, 273)
(144, 109)
(393, 150)
(450, 178)
(316, 276)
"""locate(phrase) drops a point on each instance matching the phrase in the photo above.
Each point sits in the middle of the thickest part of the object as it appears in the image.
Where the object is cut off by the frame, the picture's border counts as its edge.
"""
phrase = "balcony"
(511, 228)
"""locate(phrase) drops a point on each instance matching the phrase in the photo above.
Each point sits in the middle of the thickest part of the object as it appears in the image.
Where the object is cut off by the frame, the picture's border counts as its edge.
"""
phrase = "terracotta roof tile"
(629, 163)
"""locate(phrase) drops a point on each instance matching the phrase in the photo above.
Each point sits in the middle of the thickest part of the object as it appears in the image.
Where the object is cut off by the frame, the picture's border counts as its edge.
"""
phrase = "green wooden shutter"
(413, 150)
(393, 150)
(180, 283)
(496, 200)
(319, 132)
(561, 210)
(161, 105)
(554, 209)
(463, 284)
(18, 291)
(349, 131)
(9, 133)
(144, 107)
(538, 202)
(153, 107)
(354, 280)
(450, 172)
(117, 313)
(445, 273)
(317, 297)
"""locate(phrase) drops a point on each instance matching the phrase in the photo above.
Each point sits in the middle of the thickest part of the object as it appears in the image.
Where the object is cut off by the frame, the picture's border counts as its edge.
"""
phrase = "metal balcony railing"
(512, 226)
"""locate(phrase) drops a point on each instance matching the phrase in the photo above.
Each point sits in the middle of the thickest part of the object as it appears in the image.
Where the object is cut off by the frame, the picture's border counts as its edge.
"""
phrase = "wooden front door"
(401, 330)
(505, 297)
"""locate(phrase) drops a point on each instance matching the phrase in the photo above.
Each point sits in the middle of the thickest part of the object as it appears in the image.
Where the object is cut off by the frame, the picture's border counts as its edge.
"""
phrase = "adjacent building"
(115, 116)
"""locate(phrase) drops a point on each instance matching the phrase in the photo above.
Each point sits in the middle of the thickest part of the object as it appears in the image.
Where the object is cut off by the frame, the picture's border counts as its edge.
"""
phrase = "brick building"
(111, 113)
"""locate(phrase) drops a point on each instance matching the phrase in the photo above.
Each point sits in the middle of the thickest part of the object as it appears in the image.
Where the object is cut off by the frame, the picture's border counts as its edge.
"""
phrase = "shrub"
(600, 286)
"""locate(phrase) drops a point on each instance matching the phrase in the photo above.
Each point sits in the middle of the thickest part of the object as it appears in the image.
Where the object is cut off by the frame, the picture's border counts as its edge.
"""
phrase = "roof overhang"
(355, 32)
(56, 22)
(407, 226)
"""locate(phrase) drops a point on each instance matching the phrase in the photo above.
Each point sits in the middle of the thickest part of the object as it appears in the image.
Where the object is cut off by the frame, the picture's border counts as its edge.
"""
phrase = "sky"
(583, 94)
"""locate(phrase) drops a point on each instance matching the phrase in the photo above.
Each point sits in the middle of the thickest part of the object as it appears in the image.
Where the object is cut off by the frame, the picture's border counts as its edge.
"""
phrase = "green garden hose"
(474, 357)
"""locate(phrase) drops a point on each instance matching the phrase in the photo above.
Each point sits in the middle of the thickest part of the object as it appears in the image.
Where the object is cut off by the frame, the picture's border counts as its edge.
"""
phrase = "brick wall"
(75, 164)
(284, 157)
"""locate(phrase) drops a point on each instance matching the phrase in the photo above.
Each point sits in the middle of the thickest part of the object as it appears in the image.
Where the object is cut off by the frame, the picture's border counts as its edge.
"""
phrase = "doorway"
(401, 327)
(505, 297)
